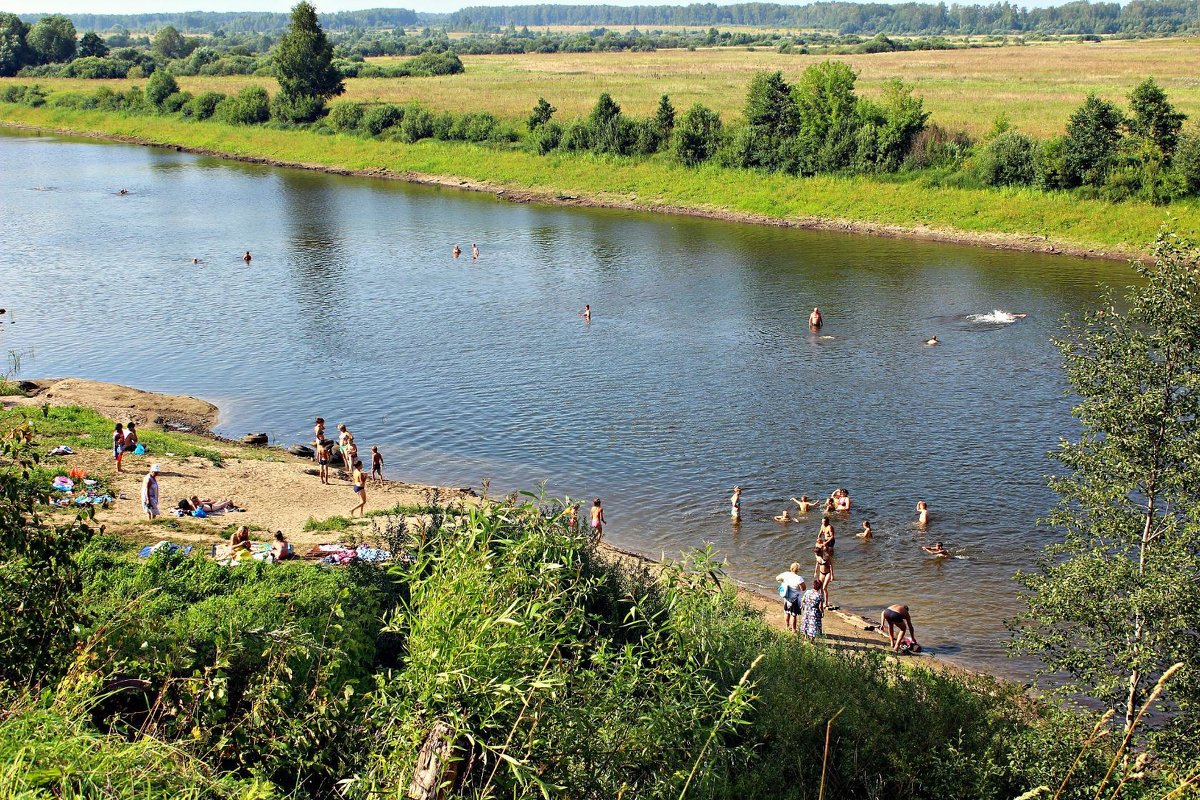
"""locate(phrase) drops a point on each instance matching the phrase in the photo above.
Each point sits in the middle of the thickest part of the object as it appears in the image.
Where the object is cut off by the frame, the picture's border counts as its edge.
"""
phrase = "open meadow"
(1036, 85)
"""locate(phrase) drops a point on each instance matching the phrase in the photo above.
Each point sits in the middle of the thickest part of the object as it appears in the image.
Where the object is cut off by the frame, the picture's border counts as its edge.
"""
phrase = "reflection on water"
(697, 372)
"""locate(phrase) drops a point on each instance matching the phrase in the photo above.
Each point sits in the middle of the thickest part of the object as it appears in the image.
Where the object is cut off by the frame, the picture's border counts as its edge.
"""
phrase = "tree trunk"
(436, 769)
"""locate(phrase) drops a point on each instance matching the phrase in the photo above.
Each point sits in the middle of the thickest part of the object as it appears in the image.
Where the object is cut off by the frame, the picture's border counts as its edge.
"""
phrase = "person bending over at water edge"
(598, 521)
(791, 587)
(897, 617)
(359, 478)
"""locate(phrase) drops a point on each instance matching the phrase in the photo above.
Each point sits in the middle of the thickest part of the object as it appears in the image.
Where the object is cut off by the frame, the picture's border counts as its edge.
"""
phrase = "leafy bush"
(417, 124)
(203, 105)
(175, 101)
(249, 106)
(1008, 160)
(345, 116)
(1050, 162)
(378, 119)
(1187, 160)
(160, 86)
(546, 137)
(297, 108)
(697, 135)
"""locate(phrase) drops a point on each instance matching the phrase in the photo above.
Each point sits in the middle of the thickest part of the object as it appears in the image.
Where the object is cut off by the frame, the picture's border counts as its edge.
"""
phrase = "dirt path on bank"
(996, 241)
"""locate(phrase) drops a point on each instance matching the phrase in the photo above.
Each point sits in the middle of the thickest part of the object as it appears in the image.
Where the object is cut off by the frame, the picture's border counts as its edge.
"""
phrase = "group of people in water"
(456, 251)
(804, 607)
(346, 449)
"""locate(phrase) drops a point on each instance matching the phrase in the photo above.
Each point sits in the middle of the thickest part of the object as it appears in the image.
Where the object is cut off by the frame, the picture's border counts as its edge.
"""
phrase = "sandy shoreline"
(995, 241)
(281, 492)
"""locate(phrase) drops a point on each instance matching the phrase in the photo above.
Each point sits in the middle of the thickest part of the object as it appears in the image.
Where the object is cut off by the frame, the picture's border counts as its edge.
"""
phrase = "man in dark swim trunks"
(897, 617)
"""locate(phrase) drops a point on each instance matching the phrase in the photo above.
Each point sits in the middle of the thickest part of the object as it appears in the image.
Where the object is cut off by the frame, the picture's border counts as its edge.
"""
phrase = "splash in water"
(995, 317)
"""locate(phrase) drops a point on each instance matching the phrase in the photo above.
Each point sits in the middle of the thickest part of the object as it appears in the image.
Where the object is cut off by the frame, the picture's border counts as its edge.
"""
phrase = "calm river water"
(697, 372)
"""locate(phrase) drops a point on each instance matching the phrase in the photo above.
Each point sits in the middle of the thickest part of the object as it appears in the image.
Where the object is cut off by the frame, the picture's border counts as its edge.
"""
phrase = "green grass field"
(1036, 86)
(1058, 218)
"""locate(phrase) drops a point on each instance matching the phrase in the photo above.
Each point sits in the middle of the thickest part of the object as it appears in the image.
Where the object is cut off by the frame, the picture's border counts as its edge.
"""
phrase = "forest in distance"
(1136, 18)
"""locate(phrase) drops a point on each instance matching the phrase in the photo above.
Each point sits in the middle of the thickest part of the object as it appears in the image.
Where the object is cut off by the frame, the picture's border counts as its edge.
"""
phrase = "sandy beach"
(280, 491)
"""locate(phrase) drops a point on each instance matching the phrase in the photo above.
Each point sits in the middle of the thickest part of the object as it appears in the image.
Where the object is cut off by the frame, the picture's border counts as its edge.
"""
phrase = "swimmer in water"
(785, 517)
(815, 320)
(937, 550)
(922, 513)
(931, 341)
(474, 252)
(195, 261)
(865, 533)
(457, 251)
(123, 191)
(587, 313)
(247, 257)
(805, 505)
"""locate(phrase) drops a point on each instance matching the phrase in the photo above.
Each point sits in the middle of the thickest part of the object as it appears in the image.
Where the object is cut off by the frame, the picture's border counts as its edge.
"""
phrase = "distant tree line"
(1138, 17)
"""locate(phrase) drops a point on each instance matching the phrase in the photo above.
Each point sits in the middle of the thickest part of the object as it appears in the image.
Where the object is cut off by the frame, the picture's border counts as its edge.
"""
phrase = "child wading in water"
(377, 466)
(360, 488)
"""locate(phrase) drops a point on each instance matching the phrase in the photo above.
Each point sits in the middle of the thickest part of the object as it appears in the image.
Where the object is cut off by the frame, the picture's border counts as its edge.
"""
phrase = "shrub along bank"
(544, 670)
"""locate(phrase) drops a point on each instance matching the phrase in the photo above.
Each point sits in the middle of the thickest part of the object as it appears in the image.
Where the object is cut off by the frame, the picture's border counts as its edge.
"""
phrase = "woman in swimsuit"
(118, 442)
(830, 507)
(360, 488)
(894, 617)
(240, 540)
(345, 439)
(319, 430)
(865, 533)
(211, 506)
(598, 520)
(823, 572)
(281, 549)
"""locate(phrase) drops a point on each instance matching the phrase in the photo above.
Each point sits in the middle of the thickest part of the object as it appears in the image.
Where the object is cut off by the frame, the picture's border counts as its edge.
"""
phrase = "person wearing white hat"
(150, 493)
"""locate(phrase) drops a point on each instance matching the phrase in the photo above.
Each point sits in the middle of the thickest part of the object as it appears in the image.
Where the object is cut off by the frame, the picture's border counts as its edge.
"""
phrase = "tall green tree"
(542, 113)
(1113, 604)
(697, 135)
(664, 117)
(92, 45)
(14, 53)
(773, 119)
(169, 43)
(52, 39)
(1093, 135)
(1153, 118)
(304, 66)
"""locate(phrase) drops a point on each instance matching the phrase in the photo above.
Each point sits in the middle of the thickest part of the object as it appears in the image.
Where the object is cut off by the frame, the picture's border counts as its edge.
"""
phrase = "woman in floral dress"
(812, 609)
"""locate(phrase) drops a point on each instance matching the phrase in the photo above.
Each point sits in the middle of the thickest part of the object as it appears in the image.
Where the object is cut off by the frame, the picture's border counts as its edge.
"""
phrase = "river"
(697, 371)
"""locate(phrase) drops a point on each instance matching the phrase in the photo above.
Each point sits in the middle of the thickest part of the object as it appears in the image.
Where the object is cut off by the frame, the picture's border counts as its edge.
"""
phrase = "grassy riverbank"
(545, 667)
(892, 205)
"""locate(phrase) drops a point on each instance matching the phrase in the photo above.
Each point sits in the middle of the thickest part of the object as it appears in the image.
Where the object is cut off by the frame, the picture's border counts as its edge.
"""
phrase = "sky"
(145, 6)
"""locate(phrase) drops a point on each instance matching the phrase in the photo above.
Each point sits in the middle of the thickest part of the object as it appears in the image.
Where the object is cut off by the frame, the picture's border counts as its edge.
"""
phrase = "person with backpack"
(791, 587)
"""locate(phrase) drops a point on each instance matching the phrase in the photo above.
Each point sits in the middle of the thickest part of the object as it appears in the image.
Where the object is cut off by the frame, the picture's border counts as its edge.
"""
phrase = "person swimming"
(247, 257)
(937, 550)
(195, 261)
(805, 505)
(865, 533)
(932, 340)
(123, 192)
(815, 320)
(785, 516)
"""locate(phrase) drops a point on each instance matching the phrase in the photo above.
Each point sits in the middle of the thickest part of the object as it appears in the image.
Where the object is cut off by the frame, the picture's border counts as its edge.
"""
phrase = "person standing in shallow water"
(735, 504)
(474, 252)
(457, 251)
(815, 320)
(598, 520)
(587, 313)
(247, 257)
